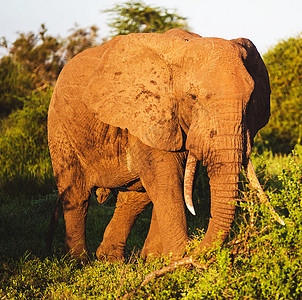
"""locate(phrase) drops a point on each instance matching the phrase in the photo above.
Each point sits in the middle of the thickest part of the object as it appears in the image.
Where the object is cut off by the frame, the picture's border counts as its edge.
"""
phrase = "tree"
(37, 53)
(284, 64)
(137, 17)
(79, 40)
(43, 56)
(35, 61)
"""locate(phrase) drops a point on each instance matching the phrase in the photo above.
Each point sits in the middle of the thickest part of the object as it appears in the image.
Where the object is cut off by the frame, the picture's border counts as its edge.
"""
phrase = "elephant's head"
(224, 101)
(207, 95)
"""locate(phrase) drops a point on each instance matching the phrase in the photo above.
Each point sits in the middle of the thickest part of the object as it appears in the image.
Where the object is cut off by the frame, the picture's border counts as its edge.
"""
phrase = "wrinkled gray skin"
(126, 115)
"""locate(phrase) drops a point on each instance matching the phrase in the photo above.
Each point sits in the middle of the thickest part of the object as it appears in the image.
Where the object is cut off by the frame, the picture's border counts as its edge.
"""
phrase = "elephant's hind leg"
(75, 207)
(129, 205)
(72, 184)
(74, 195)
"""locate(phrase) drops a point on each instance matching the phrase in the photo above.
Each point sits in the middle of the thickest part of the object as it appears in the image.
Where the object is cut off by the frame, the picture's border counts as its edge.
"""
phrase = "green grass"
(260, 260)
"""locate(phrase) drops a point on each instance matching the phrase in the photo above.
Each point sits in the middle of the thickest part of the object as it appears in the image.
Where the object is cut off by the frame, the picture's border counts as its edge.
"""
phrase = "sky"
(265, 22)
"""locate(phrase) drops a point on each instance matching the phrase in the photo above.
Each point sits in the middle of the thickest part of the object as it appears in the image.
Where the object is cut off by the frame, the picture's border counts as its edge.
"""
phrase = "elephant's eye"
(194, 97)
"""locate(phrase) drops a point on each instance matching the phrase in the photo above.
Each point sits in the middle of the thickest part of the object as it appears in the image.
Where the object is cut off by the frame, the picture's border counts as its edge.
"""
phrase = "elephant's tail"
(53, 225)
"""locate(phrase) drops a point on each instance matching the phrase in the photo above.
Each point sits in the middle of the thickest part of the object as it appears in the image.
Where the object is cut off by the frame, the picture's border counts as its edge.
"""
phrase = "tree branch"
(173, 266)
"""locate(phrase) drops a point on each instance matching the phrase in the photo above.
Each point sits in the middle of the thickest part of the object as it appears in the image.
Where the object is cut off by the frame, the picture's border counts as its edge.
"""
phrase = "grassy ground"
(261, 259)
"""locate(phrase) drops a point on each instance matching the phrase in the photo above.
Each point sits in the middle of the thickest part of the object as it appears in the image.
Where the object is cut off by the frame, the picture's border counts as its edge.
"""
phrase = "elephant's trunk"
(224, 193)
(223, 171)
(223, 162)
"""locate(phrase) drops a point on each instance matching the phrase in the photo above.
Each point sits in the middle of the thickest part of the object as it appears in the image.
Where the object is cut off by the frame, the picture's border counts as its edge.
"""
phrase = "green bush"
(15, 83)
(270, 265)
(284, 64)
(24, 155)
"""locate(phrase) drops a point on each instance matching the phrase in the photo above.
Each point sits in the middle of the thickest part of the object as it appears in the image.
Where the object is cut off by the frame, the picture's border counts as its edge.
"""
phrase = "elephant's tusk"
(254, 183)
(188, 181)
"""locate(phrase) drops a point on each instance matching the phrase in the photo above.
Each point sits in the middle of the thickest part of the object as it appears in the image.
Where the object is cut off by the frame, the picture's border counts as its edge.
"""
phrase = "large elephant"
(136, 114)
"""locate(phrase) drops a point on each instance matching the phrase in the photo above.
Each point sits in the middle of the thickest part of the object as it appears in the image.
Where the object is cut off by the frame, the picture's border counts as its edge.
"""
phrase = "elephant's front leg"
(161, 173)
(153, 245)
(129, 205)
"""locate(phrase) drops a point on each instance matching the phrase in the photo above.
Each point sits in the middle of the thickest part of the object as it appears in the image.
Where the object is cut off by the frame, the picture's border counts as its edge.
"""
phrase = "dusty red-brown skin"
(126, 114)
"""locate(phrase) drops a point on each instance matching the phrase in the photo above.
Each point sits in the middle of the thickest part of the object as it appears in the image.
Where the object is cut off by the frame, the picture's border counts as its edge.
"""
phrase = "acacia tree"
(137, 17)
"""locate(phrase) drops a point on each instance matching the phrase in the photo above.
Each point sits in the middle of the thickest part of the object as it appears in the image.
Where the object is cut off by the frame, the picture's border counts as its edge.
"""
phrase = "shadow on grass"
(24, 223)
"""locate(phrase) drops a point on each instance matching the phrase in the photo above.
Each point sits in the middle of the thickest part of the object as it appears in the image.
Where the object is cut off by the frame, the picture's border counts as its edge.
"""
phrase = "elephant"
(136, 114)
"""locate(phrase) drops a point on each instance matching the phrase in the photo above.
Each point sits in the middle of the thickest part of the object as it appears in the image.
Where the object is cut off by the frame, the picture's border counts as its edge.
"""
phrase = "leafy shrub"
(284, 64)
(15, 83)
(24, 154)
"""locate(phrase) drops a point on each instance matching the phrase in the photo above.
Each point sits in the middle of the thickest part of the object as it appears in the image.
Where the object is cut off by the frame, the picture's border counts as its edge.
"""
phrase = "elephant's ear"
(131, 88)
(258, 109)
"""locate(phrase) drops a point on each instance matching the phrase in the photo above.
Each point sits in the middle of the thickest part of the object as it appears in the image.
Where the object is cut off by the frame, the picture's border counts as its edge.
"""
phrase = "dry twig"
(158, 273)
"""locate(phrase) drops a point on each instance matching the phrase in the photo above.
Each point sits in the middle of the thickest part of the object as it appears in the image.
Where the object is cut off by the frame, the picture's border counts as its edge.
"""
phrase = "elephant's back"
(79, 70)
(77, 73)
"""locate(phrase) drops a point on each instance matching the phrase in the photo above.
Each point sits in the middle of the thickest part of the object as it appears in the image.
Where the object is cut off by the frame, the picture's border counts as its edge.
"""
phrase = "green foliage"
(15, 83)
(136, 16)
(37, 53)
(24, 154)
(284, 64)
(42, 56)
(33, 62)
(268, 260)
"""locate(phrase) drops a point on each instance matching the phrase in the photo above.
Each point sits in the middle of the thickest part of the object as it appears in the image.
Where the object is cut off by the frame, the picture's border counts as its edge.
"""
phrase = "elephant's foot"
(153, 247)
(110, 252)
(149, 253)
(80, 257)
(77, 251)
